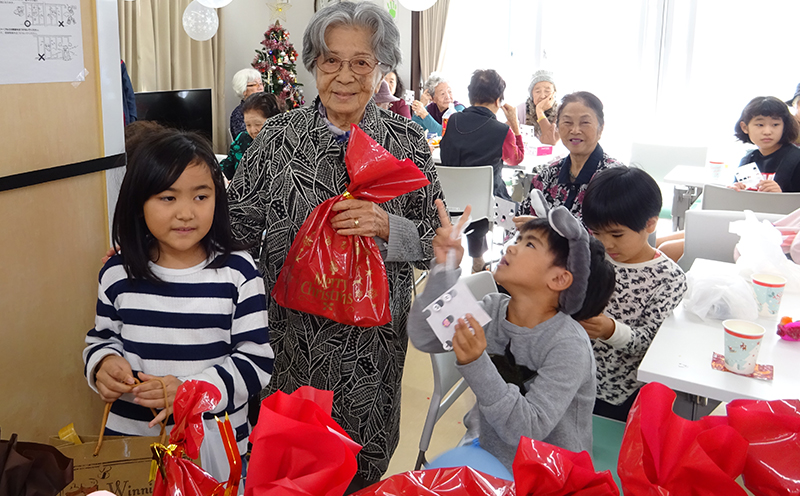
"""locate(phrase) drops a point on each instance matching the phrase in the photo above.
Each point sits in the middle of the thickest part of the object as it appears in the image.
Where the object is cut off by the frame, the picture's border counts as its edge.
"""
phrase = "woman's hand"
(443, 242)
(739, 186)
(426, 98)
(110, 253)
(468, 346)
(600, 327)
(113, 378)
(768, 186)
(419, 109)
(520, 220)
(360, 218)
(544, 105)
(150, 394)
(511, 118)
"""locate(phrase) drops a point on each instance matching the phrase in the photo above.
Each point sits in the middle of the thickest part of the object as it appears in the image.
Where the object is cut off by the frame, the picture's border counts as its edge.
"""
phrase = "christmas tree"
(276, 63)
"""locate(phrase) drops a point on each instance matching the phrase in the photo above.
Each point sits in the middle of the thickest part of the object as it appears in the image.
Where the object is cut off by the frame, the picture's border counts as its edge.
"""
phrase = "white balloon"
(199, 21)
(417, 4)
(215, 4)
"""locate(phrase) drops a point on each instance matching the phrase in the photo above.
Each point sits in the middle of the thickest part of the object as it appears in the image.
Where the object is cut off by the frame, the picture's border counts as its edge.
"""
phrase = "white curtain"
(160, 55)
(432, 25)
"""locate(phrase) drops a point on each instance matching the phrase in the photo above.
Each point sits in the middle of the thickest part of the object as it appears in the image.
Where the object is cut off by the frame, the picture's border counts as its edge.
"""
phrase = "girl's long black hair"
(154, 166)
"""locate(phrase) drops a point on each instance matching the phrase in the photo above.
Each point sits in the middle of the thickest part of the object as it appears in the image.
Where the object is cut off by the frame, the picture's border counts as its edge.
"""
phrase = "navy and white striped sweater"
(199, 324)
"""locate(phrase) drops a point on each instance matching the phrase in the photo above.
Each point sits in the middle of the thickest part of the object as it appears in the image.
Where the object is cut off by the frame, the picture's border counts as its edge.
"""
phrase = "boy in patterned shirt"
(621, 209)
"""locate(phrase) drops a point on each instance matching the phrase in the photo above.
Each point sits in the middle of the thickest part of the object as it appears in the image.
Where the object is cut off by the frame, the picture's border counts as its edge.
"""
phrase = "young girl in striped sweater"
(180, 301)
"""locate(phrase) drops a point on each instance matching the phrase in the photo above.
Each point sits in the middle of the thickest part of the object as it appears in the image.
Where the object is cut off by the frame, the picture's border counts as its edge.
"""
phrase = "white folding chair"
(722, 198)
(658, 160)
(708, 236)
(448, 384)
(464, 186)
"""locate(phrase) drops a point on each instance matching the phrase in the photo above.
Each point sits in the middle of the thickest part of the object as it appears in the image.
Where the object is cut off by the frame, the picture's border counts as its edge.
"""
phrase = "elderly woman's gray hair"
(434, 80)
(241, 78)
(385, 35)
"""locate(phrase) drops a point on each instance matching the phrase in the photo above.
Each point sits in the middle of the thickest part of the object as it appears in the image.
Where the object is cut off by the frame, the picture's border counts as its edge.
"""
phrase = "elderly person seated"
(296, 163)
(245, 83)
(398, 89)
(257, 108)
(564, 181)
(540, 109)
(475, 137)
(436, 98)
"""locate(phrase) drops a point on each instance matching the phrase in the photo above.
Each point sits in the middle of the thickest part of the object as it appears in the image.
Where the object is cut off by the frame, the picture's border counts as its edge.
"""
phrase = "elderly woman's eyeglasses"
(360, 65)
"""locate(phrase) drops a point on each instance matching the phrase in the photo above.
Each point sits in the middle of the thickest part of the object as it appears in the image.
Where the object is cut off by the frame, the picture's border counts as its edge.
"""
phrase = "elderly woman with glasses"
(245, 83)
(297, 162)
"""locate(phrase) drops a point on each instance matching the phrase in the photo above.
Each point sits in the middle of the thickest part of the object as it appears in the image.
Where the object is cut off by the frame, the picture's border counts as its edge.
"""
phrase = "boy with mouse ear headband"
(531, 368)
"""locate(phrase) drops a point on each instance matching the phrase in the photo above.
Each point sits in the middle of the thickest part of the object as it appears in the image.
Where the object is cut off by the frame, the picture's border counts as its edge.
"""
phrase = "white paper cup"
(716, 169)
(742, 342)
(768, 291)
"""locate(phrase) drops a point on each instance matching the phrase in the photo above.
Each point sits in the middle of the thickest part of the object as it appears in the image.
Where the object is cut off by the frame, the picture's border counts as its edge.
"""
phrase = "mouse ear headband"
(579, 258)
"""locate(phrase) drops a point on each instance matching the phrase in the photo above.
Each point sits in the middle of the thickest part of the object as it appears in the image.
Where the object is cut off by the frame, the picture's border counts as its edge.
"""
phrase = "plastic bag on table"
(773, 430)
(541, 469)
(298, 449)
(343, 278)
(663, 454)
(176, 475)
(719, 297)
(458, 481)
(760, 250)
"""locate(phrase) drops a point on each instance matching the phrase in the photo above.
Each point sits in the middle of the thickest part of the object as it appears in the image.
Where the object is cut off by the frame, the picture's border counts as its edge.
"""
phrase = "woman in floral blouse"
(564, 182)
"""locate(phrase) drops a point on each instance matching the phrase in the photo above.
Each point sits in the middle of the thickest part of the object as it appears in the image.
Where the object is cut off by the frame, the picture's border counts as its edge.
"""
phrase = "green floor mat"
(607, 439)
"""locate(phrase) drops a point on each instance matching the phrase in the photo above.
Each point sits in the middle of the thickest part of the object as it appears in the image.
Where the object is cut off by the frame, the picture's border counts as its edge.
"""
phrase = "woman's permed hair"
(624, 196)
(264, 103)
(434, 80)
(602, 278)
(768, 106)
(385, 35)
(485, 86)
(242, 78)
(155, 166)
(586, 98)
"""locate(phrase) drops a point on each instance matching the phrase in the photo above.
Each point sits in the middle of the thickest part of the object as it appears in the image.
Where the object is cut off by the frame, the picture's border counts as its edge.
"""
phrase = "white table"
(680, 355)
(689, 181)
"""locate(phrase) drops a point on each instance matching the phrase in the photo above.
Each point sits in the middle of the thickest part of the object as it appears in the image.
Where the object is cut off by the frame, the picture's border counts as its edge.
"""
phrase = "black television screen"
(189, 110)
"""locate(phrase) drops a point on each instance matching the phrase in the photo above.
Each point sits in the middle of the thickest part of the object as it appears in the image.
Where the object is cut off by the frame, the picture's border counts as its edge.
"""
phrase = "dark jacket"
(784, 163)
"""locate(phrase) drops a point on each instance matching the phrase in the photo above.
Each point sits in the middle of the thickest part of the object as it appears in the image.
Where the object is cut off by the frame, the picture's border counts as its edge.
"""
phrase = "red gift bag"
(298, 449)
(178, 476)
(343, 278)
(663, 454)
(773, 458)
(541, 469)
(458, 481)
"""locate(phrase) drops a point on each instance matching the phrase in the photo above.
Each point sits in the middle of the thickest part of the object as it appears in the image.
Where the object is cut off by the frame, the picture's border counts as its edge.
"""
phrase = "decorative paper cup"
(769, 291)
(742, 342)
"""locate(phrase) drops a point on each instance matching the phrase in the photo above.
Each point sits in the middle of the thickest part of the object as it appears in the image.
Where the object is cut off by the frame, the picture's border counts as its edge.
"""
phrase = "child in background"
(621, 209)
(532, 368)
(257, 108)
(179, 302)
(767, 123)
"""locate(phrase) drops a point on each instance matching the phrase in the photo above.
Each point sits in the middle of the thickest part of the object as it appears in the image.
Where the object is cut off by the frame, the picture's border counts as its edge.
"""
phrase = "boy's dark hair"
(768, 106)
(400, 89)
(586, 98)
(486, 86)
(155, 165)
(138, 131)
(625, 196)
(264, 103)
(602, 278)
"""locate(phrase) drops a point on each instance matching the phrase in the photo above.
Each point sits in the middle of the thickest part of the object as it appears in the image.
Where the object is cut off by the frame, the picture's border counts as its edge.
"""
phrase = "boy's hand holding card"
(443, 314)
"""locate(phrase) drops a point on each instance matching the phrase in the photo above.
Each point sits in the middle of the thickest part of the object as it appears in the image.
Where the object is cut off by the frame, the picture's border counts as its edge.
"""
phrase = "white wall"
(245, 21)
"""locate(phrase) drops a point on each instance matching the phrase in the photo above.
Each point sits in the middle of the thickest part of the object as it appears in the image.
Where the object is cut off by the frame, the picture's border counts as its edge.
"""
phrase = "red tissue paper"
(298, 449)
(541, 469)
(343, 278)
(663, 454)
(459, 481)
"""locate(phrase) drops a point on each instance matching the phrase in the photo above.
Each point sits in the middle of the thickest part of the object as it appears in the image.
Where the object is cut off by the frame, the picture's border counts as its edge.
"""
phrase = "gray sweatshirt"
(557, 406)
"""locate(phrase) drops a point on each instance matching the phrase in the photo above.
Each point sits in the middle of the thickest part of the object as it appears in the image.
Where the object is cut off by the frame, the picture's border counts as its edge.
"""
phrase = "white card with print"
(504, 213)
(749, 175)
(453, 304)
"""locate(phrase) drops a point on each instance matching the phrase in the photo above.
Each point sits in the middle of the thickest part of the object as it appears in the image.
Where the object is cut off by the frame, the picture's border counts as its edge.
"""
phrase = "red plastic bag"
(664, 454)
(541, 469)
(343, 278)
(773, 458)
(298, 449)
(458, 481)
(176, 475)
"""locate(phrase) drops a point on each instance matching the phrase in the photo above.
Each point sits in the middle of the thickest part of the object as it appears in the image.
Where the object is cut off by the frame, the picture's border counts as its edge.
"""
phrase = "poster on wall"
(40, 42)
